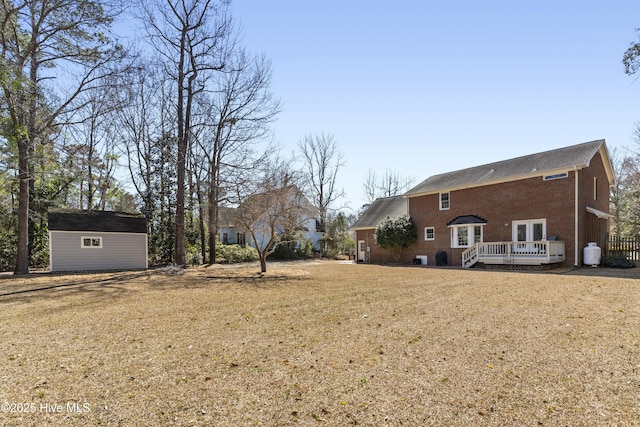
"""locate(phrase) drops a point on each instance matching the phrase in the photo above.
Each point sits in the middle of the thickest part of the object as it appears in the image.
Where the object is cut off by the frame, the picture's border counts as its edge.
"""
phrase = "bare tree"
(369, 187)
(93, 142)
(322, 161)
(274, 207)
(139, 120)
(238, 112)
(51, 51)
(388, 185)
(625, 195)
(192, 39)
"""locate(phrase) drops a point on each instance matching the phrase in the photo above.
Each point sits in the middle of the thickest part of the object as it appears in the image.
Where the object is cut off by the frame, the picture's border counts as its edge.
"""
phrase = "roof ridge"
(546, 152)
(509, 168)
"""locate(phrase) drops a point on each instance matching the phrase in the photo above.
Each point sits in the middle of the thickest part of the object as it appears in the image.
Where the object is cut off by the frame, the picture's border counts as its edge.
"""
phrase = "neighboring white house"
(231, 231)
(96, 240)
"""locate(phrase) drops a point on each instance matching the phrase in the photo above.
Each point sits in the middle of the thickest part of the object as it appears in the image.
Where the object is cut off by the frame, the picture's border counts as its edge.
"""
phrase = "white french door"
(529, 231)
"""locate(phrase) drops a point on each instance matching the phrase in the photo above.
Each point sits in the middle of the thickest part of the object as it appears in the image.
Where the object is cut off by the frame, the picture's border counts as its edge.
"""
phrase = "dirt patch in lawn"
(320, 343)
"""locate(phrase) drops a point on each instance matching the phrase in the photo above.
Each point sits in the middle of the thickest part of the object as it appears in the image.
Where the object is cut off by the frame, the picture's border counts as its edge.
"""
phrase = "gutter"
(476, 184)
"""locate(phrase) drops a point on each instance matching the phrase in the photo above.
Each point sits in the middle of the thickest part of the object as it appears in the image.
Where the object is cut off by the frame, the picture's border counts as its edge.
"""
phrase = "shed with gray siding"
(96, 240)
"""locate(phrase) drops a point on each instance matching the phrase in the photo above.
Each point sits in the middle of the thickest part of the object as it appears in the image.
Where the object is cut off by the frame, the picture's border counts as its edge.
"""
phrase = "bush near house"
(232, 254)
(294, 249)
(395, 234)
(616, 261)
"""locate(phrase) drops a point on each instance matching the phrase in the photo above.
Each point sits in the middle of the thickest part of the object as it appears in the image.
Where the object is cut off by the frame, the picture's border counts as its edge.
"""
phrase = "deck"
(514, 253)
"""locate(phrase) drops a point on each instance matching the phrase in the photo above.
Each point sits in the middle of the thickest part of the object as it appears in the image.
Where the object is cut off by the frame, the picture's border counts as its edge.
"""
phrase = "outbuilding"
(96, 240)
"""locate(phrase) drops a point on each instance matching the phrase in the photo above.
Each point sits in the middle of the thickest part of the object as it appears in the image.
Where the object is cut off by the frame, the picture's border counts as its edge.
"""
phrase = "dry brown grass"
(322, 343)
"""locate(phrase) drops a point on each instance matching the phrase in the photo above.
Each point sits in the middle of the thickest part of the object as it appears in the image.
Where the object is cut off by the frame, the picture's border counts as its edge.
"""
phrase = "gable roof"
(540, 164)
(265, 199)
(379, 210)
(97, 221)
(227, 217)
(230, 217)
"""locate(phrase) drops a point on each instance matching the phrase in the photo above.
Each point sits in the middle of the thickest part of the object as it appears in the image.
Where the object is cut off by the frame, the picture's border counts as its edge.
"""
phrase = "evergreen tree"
(395, 234)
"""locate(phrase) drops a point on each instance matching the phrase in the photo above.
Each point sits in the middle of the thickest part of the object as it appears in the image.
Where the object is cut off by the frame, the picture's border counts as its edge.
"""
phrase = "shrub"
(306, 249)
(236, 253)
(395, 234)
(294, 249)
(616, 261)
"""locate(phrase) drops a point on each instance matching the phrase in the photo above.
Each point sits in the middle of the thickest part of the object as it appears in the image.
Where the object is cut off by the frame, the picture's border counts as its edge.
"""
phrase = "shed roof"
(97, 221)
(539, 164)
(379, 210)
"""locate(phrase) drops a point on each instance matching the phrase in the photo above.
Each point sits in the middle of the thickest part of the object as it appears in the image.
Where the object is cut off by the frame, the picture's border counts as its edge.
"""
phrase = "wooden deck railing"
(538, 252)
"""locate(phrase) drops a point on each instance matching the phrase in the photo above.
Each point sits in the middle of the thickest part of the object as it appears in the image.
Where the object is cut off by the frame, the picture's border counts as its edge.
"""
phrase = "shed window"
(91, 241)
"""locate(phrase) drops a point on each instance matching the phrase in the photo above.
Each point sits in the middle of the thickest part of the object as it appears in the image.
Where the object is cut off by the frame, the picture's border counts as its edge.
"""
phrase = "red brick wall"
(377, 254)
(499, 205)
(592, 228)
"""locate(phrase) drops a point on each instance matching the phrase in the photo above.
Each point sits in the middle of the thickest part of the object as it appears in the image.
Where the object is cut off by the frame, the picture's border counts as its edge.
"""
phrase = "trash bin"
(441, 258)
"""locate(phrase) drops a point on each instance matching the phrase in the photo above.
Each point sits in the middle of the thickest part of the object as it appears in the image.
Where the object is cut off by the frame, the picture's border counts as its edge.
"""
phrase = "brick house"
(365, 227)
(538, 209)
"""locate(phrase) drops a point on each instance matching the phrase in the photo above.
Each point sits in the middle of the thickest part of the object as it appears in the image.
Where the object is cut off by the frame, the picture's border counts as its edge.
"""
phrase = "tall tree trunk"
(180, 257)
(213, 222)
(201, 228)
(22, 261)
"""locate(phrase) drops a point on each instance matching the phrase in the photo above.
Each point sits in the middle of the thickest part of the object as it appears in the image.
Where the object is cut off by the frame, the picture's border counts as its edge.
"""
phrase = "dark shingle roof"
(380, 209)
(538, 164)
(98, 221)
(467, 219)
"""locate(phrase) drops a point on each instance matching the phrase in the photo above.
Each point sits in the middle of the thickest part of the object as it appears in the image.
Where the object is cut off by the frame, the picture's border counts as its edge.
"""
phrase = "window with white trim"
(94, 242)
(445, 202)
(429, 233)
(464, 236)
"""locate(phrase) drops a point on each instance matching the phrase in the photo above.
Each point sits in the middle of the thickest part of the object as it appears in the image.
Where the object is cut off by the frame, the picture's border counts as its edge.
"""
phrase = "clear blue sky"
(423, 87)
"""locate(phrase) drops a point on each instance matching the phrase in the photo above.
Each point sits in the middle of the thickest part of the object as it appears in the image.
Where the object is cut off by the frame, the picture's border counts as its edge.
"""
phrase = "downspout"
(575, 220)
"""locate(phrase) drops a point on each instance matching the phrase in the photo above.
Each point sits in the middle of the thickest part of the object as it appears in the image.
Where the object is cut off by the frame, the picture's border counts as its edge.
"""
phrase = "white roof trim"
(598, 213)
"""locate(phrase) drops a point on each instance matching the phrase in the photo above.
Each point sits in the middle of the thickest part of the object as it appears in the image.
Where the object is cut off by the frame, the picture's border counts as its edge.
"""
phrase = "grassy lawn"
(321, 343)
